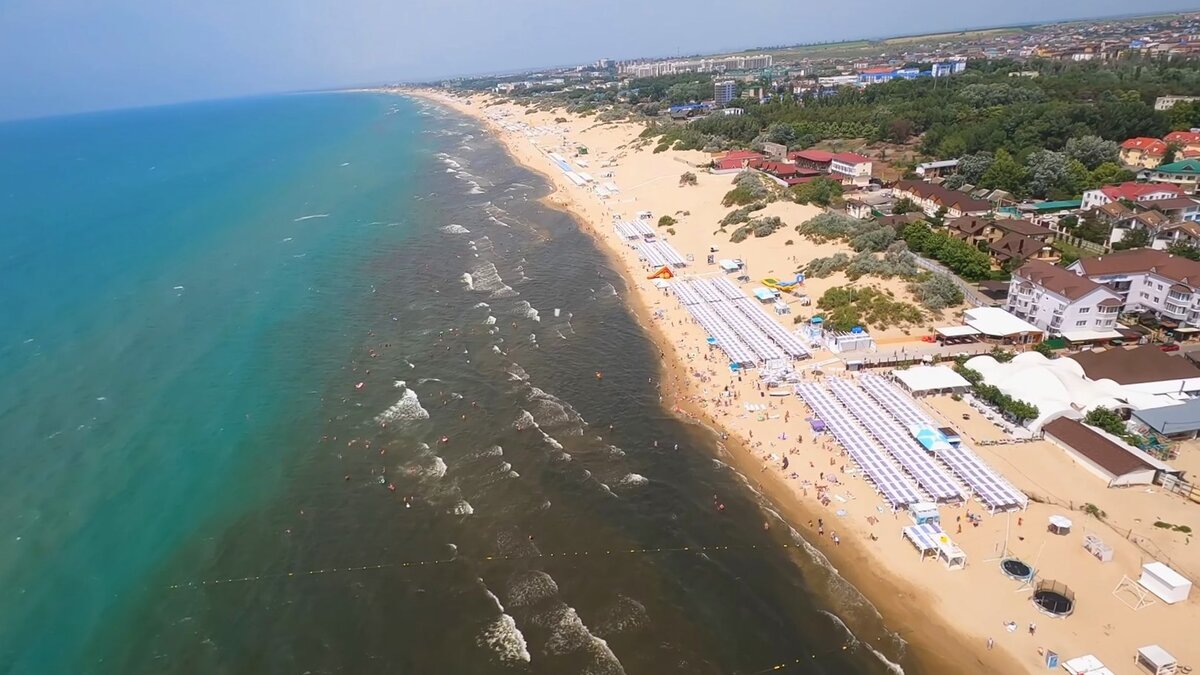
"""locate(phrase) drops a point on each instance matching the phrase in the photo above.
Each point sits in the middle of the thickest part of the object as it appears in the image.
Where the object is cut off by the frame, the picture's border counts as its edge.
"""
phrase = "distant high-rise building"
(724, 91)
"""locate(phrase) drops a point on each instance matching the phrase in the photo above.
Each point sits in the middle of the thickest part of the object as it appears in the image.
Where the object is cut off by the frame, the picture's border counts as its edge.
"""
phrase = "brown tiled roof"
(1111, 302)
(1058, 279)
(1015, 246)
(1115, 210)
(944, 196)
(1095, 446)
(1170, 204)
(1023, 227)
(900, 220)
(1146, 363)
(969, 225)
(1151, 219)
(1164, 264)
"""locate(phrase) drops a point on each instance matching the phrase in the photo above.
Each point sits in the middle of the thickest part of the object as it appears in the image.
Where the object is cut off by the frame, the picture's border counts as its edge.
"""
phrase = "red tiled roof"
(878, 71)
(819, 156)
(1148, 146)
(742, 154)
(851, 158)
(1183, 137)
(1137, 191)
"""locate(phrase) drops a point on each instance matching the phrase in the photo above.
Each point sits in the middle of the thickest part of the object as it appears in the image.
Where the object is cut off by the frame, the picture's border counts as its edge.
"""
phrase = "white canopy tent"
(1156, 660)
(1086, 665)
(931, 379)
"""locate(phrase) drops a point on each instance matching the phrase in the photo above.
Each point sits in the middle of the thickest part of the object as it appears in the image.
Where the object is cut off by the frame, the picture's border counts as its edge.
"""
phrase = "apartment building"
(1143, 152)
(1134, 192)
(1184, 174)
(1060, 301)
(1149, 280)
(851, 168)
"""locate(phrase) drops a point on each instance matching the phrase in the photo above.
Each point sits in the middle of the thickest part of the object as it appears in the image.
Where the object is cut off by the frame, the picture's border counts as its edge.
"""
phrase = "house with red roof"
(1143, 151)
(1135, 192)
(850, 168)
(738, 160)
(813, 159)
(1187, 141)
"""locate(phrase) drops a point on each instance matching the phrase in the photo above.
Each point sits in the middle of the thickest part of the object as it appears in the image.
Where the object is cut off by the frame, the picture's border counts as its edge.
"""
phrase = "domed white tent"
(1057, 387)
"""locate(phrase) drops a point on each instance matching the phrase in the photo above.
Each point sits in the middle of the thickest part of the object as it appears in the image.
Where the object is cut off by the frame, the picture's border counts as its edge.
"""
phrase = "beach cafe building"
(1000, 327)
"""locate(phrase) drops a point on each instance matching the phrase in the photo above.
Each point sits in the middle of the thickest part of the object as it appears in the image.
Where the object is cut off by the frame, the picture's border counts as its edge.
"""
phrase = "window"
(1081, 323)
(1160, 287)
(1084, 310)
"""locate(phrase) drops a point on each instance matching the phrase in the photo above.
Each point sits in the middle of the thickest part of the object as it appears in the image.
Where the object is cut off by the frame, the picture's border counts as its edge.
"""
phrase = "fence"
(1081, 244)
(970, 293)
(1181, 487)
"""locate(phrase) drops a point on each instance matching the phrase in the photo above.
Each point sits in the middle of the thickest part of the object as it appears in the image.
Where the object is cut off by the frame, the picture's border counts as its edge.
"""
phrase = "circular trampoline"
(1015, 568)
(1054, 599)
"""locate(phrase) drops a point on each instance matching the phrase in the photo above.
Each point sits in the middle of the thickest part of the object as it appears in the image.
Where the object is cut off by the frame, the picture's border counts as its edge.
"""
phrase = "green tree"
(687, 178)
(1004, 174)
(1091, 151)
(820, 191)
(1184, 250)
(1044, 349)
(972, 167)
(1139, 238)
(905, 205)
(1171, 154)
(1109, 173)
(1049, 174)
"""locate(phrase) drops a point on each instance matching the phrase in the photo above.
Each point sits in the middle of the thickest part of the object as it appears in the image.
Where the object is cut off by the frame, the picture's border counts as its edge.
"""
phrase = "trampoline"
(1054, 599)
(1015, 568)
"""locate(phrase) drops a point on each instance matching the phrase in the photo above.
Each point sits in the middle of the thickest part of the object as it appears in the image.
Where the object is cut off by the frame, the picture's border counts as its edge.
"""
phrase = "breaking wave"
(454, 228)
(487, 279)
(505, 640)
(407, 409)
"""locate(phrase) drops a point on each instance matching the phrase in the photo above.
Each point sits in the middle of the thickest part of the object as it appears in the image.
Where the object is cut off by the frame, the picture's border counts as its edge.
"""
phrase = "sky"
(66, 56)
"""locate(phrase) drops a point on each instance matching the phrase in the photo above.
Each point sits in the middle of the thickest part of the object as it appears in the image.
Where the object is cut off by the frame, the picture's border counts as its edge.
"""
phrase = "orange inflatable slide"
(663, 273)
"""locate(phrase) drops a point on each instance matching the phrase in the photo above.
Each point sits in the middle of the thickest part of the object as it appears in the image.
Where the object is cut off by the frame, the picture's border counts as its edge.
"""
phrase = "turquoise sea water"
(170, 288)
(256, 356)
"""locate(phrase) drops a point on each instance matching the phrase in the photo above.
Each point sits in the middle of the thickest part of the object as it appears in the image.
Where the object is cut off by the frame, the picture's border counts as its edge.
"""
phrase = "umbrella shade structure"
(1060, 525)
(930, 438)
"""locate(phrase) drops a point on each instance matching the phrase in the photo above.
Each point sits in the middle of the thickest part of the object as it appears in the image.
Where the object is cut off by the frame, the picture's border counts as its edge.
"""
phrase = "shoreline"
(892, 595)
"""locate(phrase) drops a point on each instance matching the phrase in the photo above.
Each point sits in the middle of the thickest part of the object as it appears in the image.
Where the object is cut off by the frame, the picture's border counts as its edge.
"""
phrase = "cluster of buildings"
(799, 166)
(757, 62)
(1090, 293)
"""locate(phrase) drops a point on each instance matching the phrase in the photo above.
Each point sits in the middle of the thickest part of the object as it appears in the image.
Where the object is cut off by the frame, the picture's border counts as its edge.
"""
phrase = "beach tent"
(1156, 660)
(730, 265)
(765, 294)
(1170, 586)
(931, 439)
(953, 557)
(924, 512)
(1086, 665)
(924, 537)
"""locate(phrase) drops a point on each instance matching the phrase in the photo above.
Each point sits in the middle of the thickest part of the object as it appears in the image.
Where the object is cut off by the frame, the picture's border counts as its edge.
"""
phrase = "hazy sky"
(63, 56)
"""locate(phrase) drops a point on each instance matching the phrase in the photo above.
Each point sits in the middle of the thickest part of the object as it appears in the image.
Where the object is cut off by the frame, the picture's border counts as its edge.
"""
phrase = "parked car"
(1173, 347)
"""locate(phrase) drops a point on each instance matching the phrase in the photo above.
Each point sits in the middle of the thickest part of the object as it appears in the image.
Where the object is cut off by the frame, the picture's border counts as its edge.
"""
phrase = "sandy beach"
(955, 620)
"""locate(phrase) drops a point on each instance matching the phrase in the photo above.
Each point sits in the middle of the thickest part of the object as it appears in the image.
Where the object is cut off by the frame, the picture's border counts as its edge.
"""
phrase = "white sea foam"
(407, 409)
(505, 640)
(517, 373)
(468, 281)
(855, 642)
(526, 310)
(552, 442)
(615, 451)
(625, 614)
(455, 228)
(462, 508)
(552, 412)
(529, 588)
(310, 217)
(424, 380)
(633, 480)
(568, 634)
(480, 305)
(524, 421)
(487, 279)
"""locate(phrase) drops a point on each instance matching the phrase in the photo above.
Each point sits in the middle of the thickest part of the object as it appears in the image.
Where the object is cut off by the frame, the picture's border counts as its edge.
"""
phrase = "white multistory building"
(1062, 302)
(1146, 279)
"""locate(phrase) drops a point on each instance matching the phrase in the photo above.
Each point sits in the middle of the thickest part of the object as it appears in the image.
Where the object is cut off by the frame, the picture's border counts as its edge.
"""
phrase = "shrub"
(748, 187)
(937, 292)
(836, 226)
(847, 307)
(666, 221)
(687, 178)
(742, 215)
(874, 240)
(1008, 406)
(760, 227)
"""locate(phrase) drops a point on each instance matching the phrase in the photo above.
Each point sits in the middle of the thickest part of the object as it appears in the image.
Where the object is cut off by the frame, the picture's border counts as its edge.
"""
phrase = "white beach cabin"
(1156, 660)
(1170, 586)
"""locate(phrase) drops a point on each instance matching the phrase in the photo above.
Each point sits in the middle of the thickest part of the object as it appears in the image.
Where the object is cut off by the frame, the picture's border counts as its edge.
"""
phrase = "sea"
(315, 384)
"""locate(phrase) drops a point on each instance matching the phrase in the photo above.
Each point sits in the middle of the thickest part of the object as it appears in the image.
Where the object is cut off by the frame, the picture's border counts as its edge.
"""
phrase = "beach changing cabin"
(1170, 586)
